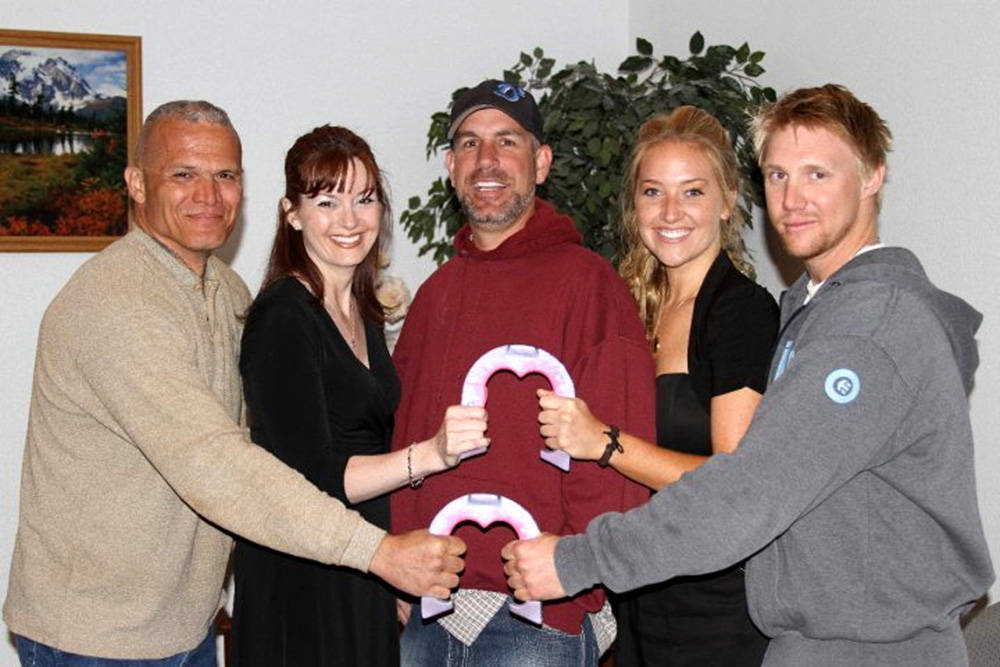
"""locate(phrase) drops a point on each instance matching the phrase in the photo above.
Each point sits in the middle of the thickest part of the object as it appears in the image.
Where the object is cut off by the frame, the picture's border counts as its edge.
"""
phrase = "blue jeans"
(505, 642)
(33, 654)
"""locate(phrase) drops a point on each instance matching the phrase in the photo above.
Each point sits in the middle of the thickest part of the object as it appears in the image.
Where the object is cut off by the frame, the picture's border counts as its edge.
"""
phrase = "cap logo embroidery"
(842, 385)
(509, 92)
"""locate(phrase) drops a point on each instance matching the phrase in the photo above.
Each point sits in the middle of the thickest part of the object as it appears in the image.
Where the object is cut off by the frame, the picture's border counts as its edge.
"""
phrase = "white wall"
(383, 67)
(932, 70)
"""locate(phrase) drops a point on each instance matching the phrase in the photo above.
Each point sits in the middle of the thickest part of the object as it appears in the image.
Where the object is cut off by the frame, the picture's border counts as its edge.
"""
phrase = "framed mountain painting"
(70, 111)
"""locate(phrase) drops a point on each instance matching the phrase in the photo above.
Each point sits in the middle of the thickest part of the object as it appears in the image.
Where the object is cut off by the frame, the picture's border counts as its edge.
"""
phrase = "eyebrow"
(370, 190)
(811, 166)
(505, 132)
(687, 181)
(191, 167)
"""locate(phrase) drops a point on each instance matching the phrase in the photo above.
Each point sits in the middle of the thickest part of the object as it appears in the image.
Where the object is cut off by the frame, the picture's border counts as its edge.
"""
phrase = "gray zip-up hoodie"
(854, 485)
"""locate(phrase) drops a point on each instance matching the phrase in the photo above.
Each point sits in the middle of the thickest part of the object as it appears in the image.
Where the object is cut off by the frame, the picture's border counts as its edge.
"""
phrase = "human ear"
(291, 215)
(543, 160)
(136, 184)
(449, 163)
(872, 182)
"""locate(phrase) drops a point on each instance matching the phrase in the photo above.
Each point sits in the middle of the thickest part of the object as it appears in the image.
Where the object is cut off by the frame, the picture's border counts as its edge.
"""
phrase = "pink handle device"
(521, 360)
(484, 509)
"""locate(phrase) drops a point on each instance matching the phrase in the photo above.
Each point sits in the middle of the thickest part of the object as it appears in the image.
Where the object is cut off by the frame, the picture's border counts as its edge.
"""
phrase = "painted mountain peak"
(37, 77)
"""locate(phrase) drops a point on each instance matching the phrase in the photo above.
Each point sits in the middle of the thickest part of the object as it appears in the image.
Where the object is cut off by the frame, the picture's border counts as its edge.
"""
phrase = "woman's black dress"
(703, 621)
(313, 404)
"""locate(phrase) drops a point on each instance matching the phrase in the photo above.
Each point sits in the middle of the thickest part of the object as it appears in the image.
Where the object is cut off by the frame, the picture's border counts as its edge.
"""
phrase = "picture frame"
(70, 112)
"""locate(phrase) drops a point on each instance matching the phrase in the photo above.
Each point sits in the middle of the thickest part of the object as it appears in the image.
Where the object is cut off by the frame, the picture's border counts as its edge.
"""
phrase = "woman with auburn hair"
(321, 391)
(711, 330)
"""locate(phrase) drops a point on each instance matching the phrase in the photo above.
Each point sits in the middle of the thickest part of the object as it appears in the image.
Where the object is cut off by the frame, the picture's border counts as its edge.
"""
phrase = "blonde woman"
(711, 330)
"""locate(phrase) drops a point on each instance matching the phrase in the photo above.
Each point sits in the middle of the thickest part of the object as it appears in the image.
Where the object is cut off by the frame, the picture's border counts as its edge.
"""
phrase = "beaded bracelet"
(414, 483)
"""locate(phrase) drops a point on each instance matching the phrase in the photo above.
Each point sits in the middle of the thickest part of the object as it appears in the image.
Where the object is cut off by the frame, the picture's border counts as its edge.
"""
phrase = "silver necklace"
(350, 331)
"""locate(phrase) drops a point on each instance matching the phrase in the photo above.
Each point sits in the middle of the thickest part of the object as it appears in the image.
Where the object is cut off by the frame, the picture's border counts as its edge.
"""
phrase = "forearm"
(650, 465)
(658, 541)
(656, 467)
(246, 490)
(586, 438)
(368, 477)
(575, 565)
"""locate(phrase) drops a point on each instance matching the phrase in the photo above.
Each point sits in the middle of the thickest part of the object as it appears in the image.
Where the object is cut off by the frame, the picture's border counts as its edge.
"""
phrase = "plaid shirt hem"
(474, 609)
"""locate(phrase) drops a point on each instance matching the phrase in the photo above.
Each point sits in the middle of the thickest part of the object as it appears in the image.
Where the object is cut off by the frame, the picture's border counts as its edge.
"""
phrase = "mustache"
(492, 173)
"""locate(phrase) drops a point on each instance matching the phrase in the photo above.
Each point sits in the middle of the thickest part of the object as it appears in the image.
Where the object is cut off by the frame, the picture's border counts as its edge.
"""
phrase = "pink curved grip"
(521, 360)
(484, 509)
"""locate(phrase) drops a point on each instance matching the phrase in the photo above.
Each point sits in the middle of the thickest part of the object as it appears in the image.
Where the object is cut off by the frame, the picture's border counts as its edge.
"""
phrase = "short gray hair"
(189, 111)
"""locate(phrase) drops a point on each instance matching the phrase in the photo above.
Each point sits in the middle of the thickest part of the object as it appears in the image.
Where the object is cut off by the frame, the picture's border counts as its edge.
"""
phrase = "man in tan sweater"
(137, 462)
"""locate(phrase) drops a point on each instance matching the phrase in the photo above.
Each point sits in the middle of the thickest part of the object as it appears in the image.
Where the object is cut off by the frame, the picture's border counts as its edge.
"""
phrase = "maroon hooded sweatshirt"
(540, 287)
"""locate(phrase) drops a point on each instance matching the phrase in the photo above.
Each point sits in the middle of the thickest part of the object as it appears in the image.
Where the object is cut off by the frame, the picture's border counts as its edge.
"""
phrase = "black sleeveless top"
(682, 422)
(703, 621)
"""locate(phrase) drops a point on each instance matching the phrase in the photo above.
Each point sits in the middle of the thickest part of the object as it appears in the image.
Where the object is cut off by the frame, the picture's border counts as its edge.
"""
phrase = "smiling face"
(494, 168)
(339, 228)
(679, 205)
(188, 187)
(820, 201)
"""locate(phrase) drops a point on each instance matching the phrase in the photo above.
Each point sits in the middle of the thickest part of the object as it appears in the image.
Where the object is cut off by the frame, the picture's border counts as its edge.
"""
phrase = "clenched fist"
(531, 569)
(420, 563)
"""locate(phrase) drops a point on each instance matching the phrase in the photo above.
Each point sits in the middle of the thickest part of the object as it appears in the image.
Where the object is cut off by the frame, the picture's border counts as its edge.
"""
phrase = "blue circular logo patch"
(842, 385)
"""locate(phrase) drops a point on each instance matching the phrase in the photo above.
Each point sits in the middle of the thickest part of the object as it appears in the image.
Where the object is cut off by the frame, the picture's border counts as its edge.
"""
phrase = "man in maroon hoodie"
(520, 276)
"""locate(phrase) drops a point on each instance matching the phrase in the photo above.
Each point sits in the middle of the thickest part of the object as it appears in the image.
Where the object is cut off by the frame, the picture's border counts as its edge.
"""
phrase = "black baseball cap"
(509, 98)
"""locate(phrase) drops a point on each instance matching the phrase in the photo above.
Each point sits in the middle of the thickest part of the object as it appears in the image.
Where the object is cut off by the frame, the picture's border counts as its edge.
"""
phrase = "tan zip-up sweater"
(136, 453)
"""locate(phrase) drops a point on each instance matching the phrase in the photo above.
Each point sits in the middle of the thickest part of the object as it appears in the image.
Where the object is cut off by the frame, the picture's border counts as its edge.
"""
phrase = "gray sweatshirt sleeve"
(831, 414)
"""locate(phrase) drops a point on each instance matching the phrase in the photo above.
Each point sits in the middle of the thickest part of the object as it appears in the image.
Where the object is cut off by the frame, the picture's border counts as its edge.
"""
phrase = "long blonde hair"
(645, 276)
